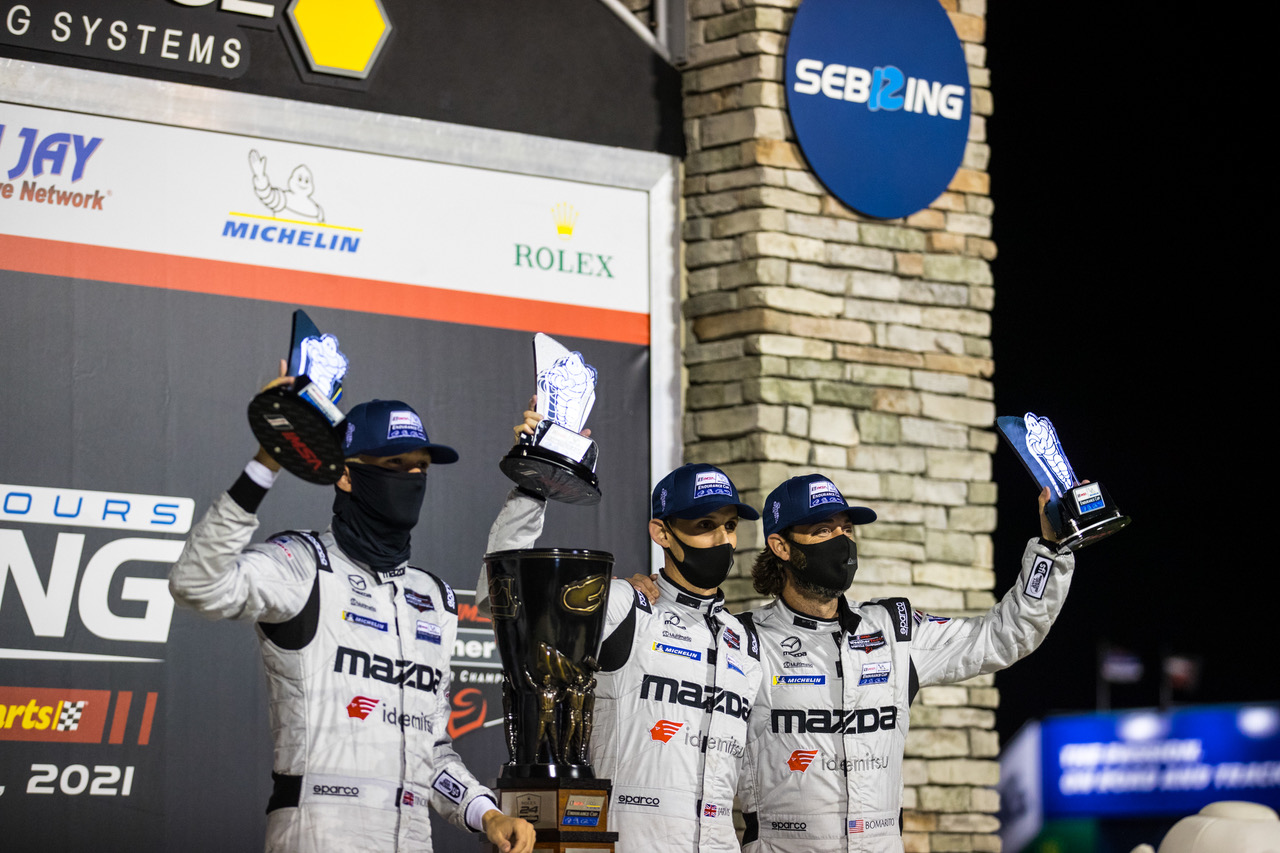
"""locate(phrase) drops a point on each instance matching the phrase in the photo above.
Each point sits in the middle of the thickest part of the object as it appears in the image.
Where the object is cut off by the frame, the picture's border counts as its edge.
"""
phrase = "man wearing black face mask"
(823, 767)
(356, 645)
(678, 675)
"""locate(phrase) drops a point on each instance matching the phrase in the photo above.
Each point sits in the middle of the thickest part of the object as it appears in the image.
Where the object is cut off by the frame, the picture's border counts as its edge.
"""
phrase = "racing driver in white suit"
(824, 755)
(678, 675)
(356, 645)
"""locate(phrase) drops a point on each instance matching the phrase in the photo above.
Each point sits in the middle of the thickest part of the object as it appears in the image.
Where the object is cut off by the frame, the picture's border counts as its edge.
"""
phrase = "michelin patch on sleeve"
(1039, 577)
(823, 492)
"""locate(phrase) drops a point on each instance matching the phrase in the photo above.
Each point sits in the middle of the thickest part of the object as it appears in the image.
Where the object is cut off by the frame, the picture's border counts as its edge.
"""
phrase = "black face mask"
(827, 566)
(373, 521)
(705, 568)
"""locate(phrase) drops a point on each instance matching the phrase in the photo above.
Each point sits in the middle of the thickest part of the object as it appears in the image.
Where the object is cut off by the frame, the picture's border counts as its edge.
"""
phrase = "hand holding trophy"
(298, 423)
(1080, 513)
(549, 607)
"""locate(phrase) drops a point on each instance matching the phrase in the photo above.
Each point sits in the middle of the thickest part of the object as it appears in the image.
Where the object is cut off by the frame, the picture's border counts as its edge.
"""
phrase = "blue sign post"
(878, 92)
(1160, 763)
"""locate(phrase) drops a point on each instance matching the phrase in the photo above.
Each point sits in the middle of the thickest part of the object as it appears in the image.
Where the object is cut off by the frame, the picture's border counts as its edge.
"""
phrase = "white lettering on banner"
(1116, 752)
(47, 607)
(169, 43)
(153, 625)
(879, 88)
(84, 508)
(18, 24)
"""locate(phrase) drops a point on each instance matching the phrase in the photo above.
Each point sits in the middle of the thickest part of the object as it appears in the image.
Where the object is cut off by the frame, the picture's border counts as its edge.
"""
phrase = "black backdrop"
(131, 389)
(1129, 310)
(139, 390)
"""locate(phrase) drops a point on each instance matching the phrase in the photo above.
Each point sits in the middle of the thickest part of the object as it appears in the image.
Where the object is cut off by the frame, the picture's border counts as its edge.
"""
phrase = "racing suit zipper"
(838, 637)
(712, 656)
(395, 607)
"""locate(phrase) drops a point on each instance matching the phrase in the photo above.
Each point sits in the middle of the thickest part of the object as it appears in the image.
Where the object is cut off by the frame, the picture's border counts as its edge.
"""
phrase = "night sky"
(1129, 310)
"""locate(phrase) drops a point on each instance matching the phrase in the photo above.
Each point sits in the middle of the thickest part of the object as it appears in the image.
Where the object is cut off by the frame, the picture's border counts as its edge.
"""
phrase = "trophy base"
(1095, 532)
(566, 814)
(1089, 516)
(304, 440)
(551, 475)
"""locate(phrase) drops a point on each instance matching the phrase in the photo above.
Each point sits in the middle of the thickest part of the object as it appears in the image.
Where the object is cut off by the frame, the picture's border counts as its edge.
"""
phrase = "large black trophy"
(556, 461)
(1081, 513)
(548, 608)
(300, 425)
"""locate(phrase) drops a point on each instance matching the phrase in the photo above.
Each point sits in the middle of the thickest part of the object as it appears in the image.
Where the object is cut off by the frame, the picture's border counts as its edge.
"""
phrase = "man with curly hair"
(823, 767)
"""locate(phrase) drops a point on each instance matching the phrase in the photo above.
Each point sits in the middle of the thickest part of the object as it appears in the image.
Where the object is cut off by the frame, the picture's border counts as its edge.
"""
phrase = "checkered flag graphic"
(69, 719)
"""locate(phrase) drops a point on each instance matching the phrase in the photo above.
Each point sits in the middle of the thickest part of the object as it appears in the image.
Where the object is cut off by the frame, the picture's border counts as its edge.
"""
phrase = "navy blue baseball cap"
(695, 490)
(389, 427)
(804, 500)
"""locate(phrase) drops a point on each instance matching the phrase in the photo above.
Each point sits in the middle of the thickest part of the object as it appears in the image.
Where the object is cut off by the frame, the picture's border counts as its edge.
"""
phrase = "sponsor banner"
(66, 716)
(878, 93)
(75, 715)
(106, 579)
(161, 206)
(1147, 763)
(138, 33)
(84, 508)
(477, 671)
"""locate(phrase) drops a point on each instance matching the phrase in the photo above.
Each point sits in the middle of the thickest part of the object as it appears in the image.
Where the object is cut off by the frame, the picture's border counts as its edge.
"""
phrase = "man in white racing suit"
(824, 755)
(356, 645)
(678, 676)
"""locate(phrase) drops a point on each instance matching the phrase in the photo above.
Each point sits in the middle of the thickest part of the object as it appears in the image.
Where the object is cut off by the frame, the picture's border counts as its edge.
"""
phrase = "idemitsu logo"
(663, 730)
(801, 759)
(360, 707)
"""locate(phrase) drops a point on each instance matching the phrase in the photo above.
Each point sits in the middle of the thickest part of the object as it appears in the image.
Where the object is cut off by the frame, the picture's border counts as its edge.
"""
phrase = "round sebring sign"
(878, 92)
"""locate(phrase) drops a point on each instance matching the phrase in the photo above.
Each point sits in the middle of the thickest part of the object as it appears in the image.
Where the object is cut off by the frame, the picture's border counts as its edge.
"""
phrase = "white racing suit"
(677, 682)
(824, 756)
(357, 668)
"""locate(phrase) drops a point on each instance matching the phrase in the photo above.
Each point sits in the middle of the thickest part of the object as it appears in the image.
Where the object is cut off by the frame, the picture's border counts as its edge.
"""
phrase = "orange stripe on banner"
(225, 278)
(148, 714)
(123, 700)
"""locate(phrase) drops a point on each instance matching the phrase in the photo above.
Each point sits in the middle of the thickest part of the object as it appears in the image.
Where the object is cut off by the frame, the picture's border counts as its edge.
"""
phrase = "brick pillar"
(819, 339)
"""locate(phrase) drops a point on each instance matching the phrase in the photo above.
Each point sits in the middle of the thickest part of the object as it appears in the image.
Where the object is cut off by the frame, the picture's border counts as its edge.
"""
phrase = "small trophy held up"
(1081, 513)
(300, 426)
(557, 462)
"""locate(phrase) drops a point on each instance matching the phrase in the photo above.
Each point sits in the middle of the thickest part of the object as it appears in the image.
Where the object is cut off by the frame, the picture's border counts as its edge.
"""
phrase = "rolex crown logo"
(565, 217)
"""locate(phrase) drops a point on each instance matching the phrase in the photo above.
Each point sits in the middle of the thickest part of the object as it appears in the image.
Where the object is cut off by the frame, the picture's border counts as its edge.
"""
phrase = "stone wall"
(818, 339)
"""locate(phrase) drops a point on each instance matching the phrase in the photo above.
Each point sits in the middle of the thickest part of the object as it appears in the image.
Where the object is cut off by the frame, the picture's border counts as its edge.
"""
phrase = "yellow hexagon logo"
(340, 37)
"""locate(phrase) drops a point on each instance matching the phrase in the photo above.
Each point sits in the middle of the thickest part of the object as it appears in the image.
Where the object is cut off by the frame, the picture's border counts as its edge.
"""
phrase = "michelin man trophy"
(557, 462)
(300, 425)
(1081, 513)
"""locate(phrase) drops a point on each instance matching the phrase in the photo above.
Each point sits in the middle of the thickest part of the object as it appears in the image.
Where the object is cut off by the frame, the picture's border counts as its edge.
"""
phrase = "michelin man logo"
(1042, 441)
(569, 387)
(324, 364)
(296, 199)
